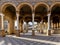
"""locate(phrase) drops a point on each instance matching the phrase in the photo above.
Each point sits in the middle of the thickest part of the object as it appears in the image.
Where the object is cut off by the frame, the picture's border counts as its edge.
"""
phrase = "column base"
(2, 33)
(21, 31)
(26, 31)
(38, 31)
(33, 32)
(49, 32)
(17, 33)
(41, 31)
(9, 33)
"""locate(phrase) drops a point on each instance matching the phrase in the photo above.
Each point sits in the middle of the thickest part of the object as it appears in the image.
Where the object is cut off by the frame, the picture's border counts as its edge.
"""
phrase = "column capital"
(1, 14)
(49, 14)
(17, 13)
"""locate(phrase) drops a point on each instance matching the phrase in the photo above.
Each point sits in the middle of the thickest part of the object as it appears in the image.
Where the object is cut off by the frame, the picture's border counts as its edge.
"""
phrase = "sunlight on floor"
(30, 39)
(2, 42)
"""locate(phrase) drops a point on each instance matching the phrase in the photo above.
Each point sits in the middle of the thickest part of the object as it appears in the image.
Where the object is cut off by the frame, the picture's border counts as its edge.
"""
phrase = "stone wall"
(33, 2)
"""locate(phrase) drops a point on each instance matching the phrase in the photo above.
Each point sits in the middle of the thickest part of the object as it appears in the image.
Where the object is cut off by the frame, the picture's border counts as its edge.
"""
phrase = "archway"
(25, 11)
(41, 11)
(55, 17)
(9, 11)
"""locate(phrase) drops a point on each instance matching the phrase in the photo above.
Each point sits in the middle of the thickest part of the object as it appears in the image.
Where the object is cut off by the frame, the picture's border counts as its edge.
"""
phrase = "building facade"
(45, 12)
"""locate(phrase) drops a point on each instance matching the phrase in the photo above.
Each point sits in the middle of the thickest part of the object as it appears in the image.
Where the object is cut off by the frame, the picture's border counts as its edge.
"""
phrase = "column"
(20, 26)
(17, 30)
(49, 30)
(26, 27)
(53, 25)
(38, 27)
(58, 25)
(11, 26)
(33, 31)
(23, 25)
(2, 31)
(42, 26)
(17, 22)
(33, 21)
(2, 22)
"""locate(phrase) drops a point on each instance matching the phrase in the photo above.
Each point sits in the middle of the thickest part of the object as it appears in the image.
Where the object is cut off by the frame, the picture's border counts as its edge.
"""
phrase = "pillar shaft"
(23, 24)
(17, 31)
(42, 26)
(2, 22)
(20, 26)
(17, 22)
(49, 30)
(53, 25)
(33, 21)
(2, 32)
(33, 31)
(48, 21)
(26, 27)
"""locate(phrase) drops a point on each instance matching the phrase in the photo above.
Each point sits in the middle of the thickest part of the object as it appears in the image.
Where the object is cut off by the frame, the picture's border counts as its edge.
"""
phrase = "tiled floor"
(26, 39)
(17, 41)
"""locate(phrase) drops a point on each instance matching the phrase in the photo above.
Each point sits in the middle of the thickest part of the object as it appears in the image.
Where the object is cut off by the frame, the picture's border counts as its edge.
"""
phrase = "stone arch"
(9, 10)
(3, 7)
(55, 3)
(55, 8)
(22, 4)
(55, 14)
(41, 9)
(43, 4)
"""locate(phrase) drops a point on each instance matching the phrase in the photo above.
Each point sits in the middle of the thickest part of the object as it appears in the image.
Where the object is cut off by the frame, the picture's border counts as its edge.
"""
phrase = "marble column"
(17, 22)
(38, 27)
(17, 30)
(42, 26)
(20, 26)
(33, 31)
(26, 27)
(49, 30)
(23, 24)
(2, 31)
